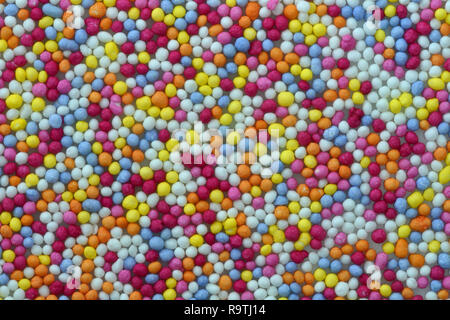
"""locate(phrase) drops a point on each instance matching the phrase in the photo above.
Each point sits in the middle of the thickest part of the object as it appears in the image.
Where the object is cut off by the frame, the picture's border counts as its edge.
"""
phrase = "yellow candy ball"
(20, 74)
(32, 74)
(316, 206)
(146, 173)
(189, 209)
(428, 194)
(246, 275)
(310, 161)
(14, 101)
(287, 156)
(306, 74)
(97, 147)
(169, 19)
(385, 290)
(170, 90)
(422, 114)
(292, 145)
(304, 225)
(114, 168)
(163, 189)
(233, 138)
(83, 217)
(216, 227)
(91, 62)
(120, 87)
(192, 137)
(163, 155)
(415, 199)
(330, 189)
(183, 37)
(143, 103)
(307, 28)
(44, 259)
(331, 280)
(82, 126)
(94, 180)
(15, 224)
(134, 13)
(436, 84)
(157, 14)
(255, 191)
(31, 180)
(8, 255)
(226, 119)
(198, 63)
(120, 143)
(24, 284)
(266, 249)
(3, 45)
(230, 224)
(133, 216)
(216, 196)
(285, 98)
(404, 231)
(234, 107)
(277, 178)
(260, 149)
(357, 98)
(440, 14)
(196, 240)
(169, 294)
(172, 144)
(406, 99)
(294, 207)
(319, 274)
(201, 78)
(295, 26)
(380, 35)
(315, 115)
(179, 11)
(444, 175)
(276, 130)
(90, 253)
(250, 33)
(239, 82)
(128, 121)
(130, 202)
(388, 248)
(143, 209)
(319, 30)
(111, 50)
(172, 177)
(278, 236)
(37, 104)
(171, 283)
(365, 161)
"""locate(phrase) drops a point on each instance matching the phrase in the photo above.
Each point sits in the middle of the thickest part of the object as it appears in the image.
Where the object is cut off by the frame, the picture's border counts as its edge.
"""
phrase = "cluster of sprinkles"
(338, 110)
